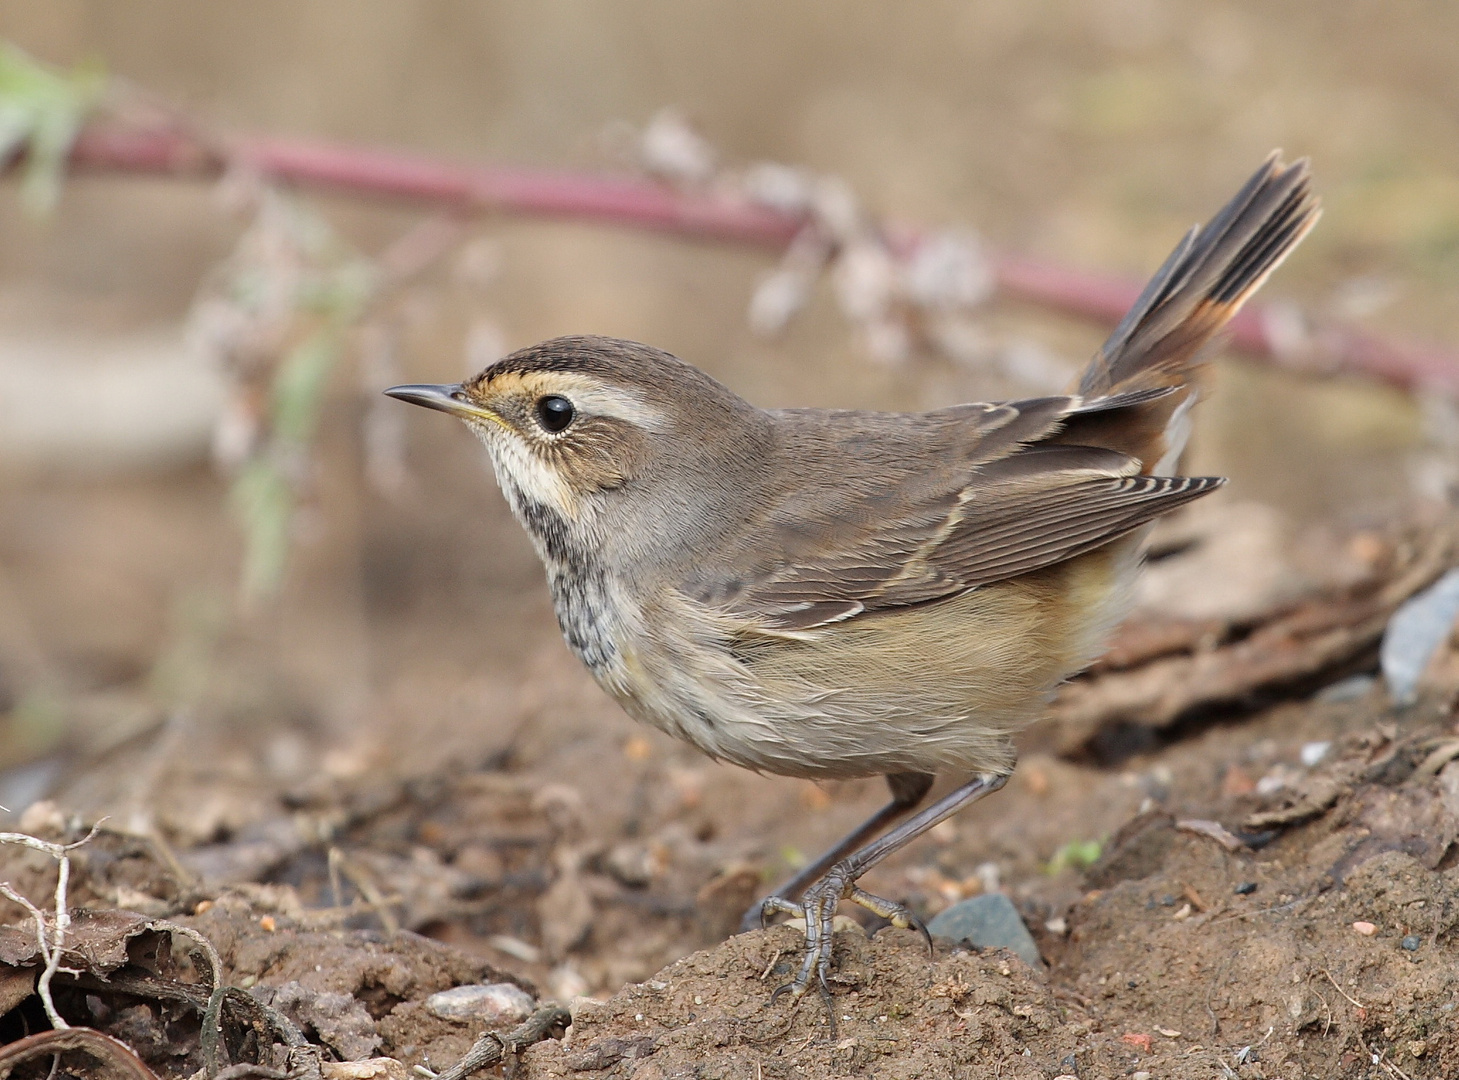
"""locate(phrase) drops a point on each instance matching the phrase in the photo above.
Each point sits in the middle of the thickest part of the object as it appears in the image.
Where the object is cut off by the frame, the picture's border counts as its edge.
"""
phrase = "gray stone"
(989, 921)
(1414, 634)
(493, 1005)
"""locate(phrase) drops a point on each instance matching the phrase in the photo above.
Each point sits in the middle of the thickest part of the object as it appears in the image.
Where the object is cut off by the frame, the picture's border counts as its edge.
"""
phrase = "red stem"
(1261, 330)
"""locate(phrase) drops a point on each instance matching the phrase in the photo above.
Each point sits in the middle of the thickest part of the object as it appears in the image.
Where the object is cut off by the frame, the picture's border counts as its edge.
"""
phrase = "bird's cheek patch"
(520, 468)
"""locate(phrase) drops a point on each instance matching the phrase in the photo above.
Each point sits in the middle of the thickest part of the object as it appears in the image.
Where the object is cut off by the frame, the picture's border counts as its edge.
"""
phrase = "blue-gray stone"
(989, 921)
(1414, 634)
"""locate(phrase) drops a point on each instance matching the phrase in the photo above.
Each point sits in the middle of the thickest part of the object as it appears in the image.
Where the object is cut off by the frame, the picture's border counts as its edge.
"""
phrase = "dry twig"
(340, 864)
(490, 1049)
(61, 919)
(1356, 1003)
(87, 1040)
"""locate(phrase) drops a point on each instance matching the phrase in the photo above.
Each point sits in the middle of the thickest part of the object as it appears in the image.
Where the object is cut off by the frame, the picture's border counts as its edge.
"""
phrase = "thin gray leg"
(818, 904)
(908, 789)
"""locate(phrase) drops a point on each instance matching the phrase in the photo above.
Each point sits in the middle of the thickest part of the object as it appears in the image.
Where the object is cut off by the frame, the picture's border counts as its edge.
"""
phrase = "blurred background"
(403, 628)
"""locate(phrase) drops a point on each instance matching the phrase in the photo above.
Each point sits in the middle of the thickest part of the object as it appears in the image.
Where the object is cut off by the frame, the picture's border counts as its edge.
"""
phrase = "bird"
(831, 594)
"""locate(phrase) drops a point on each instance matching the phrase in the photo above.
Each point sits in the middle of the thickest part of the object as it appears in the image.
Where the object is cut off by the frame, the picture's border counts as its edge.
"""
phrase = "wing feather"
(880, 512)
(1040, 505)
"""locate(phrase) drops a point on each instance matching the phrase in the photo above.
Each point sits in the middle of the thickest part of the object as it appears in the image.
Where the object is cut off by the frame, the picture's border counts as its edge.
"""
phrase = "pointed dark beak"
(446, 399)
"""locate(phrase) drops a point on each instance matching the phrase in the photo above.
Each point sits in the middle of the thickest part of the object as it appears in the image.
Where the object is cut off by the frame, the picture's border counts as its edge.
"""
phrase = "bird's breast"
(587, 614)
(581, 593)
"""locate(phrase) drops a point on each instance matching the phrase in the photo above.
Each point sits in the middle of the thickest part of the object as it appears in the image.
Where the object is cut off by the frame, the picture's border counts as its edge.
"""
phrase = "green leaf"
(792, 856)
(15, 124)
(294, 281)
(298, 389)
(264, 501)
(41, 112)
(1080, 854)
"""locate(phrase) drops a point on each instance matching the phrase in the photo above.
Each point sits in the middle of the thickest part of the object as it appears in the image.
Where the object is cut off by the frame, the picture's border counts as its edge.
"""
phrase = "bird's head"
(597, 435)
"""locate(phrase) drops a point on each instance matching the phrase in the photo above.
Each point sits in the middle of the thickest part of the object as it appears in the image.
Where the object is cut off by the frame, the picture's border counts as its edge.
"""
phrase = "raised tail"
(1204, 282)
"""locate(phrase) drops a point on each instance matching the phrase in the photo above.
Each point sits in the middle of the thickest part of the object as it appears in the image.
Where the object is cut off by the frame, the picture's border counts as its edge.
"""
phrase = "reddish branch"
(1268, 331)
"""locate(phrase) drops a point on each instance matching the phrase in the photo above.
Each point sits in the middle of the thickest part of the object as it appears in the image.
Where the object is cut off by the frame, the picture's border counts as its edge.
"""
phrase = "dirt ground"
(1235, 852)
(1272, 897)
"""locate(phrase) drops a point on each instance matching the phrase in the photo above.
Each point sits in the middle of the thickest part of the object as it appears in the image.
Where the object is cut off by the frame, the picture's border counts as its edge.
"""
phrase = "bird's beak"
(447, 399)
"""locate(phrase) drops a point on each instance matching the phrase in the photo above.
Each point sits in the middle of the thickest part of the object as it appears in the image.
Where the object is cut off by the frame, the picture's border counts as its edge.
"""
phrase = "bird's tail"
(1153, 353)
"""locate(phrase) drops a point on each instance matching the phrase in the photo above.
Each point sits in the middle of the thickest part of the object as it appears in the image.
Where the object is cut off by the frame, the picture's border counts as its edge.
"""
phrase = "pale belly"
(933, 688)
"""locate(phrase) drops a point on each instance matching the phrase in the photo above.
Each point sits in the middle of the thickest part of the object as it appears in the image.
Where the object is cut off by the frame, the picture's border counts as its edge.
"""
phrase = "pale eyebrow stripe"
(614, 401)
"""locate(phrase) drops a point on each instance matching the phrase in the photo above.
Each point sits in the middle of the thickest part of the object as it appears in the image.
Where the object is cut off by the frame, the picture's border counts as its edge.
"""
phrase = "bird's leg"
(908, 789)
(818, 904)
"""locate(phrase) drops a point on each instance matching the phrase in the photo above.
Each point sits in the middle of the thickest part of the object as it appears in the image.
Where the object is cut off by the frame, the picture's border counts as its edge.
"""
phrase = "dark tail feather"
(1204, 282)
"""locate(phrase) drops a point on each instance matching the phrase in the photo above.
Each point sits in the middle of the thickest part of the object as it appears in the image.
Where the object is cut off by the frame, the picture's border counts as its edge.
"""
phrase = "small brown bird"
(834, 594)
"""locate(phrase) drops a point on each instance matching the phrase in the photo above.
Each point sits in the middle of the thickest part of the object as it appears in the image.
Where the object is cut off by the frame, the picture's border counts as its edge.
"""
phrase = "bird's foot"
(817, 907)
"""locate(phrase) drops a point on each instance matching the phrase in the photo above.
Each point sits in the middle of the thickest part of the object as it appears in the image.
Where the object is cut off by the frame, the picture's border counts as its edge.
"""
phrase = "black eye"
(554, 412)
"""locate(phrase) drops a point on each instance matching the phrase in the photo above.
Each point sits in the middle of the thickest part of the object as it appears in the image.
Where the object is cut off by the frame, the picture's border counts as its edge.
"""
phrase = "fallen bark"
(1159, 673)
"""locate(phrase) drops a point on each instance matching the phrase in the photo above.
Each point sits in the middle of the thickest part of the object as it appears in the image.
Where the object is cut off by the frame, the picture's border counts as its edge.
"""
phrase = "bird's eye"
(554, 412)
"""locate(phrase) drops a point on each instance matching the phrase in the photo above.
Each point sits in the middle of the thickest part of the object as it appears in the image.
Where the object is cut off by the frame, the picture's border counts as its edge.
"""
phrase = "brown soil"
(1173, 965)
(1175, 954)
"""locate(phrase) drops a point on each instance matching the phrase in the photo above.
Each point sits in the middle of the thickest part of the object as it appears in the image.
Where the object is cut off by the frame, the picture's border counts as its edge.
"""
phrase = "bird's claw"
(817, 908)
(778, 905)
(899, 915)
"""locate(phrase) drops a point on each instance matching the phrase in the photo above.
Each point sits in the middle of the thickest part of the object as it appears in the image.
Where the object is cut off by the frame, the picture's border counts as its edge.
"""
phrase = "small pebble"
(1272, 782)
(1246, 888)
(1314, 752)
(1411, 942)
(634, 865)
(1367, 929)
(491, 1004)
(1349, 689)
(989, 876)
(370, 1069)
(565, 982)
(515, 948)
(1183, 913)
(1141, 1075)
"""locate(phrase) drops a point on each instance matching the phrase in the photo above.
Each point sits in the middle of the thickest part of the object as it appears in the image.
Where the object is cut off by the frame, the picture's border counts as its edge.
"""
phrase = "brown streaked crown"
(662, 378)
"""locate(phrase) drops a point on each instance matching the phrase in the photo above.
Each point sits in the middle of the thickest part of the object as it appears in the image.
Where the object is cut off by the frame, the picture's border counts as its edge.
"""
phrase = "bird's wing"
(892, 512)
(973, 497)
